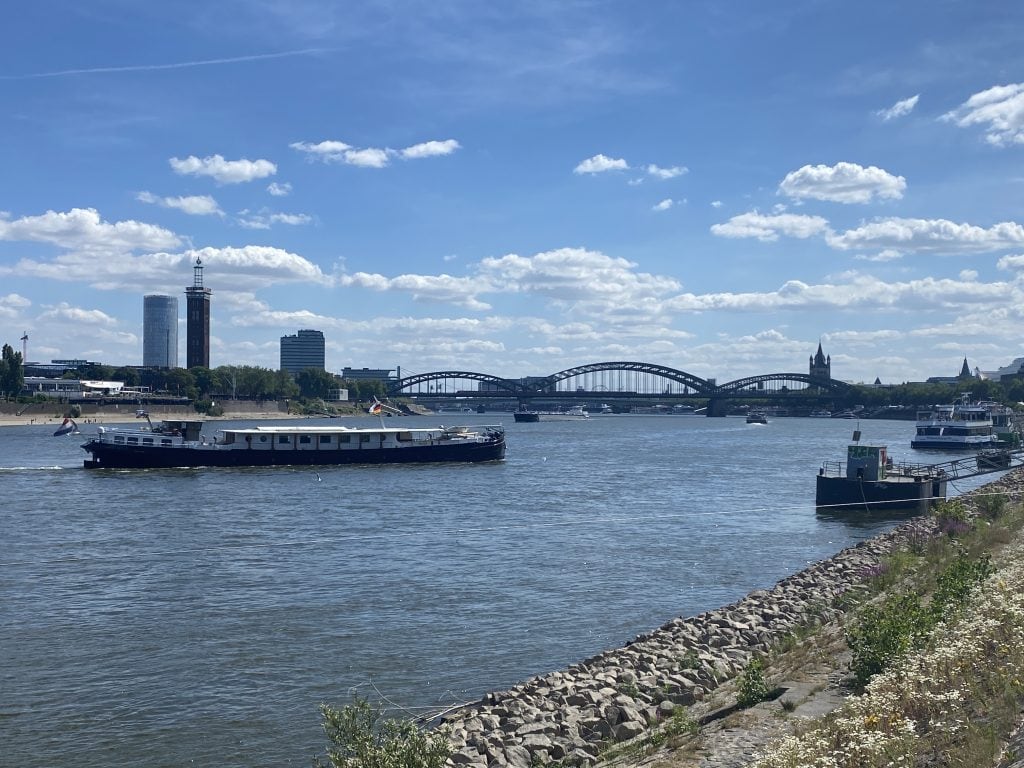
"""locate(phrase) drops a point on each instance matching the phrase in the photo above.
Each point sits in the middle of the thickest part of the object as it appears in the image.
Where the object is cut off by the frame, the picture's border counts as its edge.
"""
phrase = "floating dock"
(870, 481)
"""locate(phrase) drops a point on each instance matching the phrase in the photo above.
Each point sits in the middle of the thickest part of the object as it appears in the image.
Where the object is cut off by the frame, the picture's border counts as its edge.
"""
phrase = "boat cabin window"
(325, 439)
(404, 436)
(263, 438)
(284, 439)
(118, 438)
(147, 441)
(165, 441)
(344, 438)
(305, 439)
(133, 441)
(364, 438)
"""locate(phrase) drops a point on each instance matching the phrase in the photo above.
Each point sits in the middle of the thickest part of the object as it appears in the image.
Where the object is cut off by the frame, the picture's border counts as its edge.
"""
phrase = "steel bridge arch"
(420, 378)
(739, 385)
(699, 385)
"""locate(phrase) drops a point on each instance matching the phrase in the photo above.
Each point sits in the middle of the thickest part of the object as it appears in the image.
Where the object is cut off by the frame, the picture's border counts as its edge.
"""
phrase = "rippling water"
(199, 617)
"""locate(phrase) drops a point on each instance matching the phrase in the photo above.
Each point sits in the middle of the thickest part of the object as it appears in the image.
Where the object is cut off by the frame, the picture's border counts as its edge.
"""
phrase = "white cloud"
(429, 149)
(82, 228)
(889, 254)
(768, 228)
(265, 219)
(899, 109)
(194, 205)
(842, 183)
(667, 173)
(372, 157)
(600, 164)
(716, 203)
(1000, 109)
(279, 189)
(929, 236)
(1011, 262)
(78, 316)
(664, 205)
(223, 171)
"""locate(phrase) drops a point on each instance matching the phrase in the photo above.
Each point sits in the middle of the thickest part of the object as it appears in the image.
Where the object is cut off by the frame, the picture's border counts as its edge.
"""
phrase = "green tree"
(360, 737)
(12, 372)
(316, 382)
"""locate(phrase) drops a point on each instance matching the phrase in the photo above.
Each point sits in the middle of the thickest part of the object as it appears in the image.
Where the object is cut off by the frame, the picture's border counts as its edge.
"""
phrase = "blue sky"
(518, 188)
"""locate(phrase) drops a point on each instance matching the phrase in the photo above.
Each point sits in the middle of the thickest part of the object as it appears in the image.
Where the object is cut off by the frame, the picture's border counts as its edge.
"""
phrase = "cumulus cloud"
(279, 189)
(899, 109)
(929, 236)
(842, 183)
(716, 203)
(82, 228)
(221, 170)
(667, 173)
(600, 164)
(664, 205)
(1011, 262)
(194, 205)
(332, 151)
(78, 316)
(999, 109)
(429, 149)
(767, 228)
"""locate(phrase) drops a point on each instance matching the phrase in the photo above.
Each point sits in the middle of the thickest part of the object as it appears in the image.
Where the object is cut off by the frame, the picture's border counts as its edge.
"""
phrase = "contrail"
(176, 65)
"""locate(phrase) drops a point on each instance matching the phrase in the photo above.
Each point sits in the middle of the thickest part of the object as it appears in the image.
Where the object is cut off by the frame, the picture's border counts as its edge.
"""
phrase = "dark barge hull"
(916, 494)
(529, 416)
(108, 456)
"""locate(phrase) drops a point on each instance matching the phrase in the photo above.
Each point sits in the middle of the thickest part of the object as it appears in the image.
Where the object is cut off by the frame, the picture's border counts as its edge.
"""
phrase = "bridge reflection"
(634, 382)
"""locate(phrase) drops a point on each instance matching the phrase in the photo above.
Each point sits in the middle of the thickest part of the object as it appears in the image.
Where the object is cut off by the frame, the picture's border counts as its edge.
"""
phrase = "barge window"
(364, 438)
(304, 439)
(283, 439)
(165, 441)
(404, 436)
(325, 439)
(118, 438)
(344, 438)
(263, 438)
(147, 441)
(133, 441)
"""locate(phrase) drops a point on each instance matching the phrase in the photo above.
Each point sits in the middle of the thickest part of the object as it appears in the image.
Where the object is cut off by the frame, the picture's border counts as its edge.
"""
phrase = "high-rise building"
(303, 350)
(197, 320)
(159, 331)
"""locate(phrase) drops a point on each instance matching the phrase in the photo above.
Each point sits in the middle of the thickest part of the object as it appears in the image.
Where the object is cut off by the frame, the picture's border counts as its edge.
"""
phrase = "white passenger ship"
(962, 426)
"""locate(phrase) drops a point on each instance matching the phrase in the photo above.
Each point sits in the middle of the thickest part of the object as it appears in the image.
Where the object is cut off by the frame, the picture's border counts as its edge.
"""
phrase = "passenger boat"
(756, 417)
(964, 426)
(183, 444)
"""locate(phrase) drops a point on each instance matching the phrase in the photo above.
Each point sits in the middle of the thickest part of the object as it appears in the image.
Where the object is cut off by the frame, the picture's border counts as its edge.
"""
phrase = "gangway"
(984, 462)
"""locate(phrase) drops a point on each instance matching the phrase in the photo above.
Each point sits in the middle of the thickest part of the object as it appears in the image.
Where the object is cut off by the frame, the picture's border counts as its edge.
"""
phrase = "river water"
(200, 617)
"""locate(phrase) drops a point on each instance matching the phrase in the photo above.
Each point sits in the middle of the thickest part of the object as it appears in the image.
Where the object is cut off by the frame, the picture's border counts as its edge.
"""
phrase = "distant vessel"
(575, 413)
(756, 417)
(182, 444)
(964, 426)
(822, 414)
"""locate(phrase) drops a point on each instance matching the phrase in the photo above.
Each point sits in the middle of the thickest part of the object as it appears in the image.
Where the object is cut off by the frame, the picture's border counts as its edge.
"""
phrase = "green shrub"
(883, 634)
(992, 505)
(360, 737)
(753, 687)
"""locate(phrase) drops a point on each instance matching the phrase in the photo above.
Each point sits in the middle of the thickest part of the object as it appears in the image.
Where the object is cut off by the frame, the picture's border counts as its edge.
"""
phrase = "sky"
(520, 188)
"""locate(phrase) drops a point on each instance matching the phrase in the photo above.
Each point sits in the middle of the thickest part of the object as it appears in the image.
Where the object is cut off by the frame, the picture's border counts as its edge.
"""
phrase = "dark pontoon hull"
(918, 494)
(110, 456)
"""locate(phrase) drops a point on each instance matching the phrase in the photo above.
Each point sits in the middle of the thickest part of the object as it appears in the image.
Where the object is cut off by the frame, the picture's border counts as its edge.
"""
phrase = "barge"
(172, 444)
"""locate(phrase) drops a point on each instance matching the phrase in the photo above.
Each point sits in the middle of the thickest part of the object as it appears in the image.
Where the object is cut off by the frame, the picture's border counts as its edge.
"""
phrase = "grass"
(951, 686)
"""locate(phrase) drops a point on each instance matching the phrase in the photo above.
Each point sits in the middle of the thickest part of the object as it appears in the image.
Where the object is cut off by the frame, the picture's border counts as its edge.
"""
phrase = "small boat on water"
(821, 414)
(182, 443)
(964, 426)
(756, 417)
(575, 413)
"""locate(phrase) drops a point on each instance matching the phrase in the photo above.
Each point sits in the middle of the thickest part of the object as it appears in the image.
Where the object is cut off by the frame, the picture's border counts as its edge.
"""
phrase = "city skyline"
(522, 189)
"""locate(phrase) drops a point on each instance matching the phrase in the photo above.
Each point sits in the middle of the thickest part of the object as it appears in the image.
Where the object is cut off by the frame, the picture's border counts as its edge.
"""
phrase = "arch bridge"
(623, 381)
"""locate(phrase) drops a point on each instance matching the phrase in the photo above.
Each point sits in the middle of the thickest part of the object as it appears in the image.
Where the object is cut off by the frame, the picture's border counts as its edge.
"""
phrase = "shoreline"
(575, 715)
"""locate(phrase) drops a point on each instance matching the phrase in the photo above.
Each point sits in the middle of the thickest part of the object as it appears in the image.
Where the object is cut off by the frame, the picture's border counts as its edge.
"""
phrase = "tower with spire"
(197, 320)
(821, 366)
(965, 371)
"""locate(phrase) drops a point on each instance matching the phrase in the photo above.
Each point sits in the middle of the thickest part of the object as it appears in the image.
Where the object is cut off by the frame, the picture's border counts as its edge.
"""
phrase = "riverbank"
(669, 697)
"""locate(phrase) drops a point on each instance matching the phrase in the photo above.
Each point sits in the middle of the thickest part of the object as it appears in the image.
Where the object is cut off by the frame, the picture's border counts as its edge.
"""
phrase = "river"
(200, 617)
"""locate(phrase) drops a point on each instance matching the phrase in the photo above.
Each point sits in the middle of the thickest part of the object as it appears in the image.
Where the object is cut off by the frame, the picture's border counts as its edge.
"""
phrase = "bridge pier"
(717, 406)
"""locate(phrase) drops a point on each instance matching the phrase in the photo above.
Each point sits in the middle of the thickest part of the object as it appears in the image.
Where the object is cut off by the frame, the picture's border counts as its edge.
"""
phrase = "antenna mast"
(24, 348)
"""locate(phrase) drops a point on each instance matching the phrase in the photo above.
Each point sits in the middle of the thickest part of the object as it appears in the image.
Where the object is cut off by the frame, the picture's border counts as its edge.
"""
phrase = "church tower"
(821, 366)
